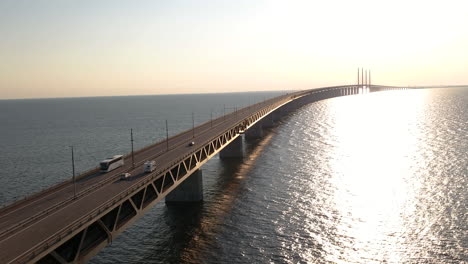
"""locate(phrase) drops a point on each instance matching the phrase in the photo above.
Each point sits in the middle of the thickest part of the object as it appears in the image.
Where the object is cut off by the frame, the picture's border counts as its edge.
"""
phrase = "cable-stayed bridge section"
(70, 223)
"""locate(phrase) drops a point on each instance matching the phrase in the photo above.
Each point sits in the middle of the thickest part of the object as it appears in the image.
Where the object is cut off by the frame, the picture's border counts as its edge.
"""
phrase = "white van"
(150, 166)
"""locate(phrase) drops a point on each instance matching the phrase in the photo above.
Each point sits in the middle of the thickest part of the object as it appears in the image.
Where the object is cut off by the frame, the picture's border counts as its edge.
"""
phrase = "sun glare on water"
(372, 171)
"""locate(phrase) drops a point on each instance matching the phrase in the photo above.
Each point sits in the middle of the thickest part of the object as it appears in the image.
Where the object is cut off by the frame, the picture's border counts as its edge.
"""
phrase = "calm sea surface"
(376, 178)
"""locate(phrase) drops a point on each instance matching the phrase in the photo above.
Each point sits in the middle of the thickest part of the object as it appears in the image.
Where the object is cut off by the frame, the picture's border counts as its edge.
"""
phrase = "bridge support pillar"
(310, 98)
(288, 107)
(233, 150)
(189, 191)
(268, 121)
(294, 105)
(276, 115)
(254, 132)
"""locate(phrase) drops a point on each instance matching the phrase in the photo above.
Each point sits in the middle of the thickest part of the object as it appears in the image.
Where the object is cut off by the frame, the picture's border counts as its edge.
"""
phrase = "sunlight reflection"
(215, 213)
(373, 190)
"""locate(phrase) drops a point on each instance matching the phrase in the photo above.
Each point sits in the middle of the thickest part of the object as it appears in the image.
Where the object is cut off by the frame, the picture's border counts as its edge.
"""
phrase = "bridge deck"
(99, 188)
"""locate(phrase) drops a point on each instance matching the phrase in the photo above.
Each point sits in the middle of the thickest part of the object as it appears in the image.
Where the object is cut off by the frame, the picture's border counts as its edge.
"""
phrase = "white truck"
(149, 166)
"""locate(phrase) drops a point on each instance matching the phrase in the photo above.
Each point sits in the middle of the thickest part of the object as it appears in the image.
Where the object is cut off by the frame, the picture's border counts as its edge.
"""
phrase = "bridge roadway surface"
(27, 223)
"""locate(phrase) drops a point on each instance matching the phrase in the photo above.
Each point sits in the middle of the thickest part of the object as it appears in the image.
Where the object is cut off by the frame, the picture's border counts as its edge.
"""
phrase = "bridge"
(70, 223)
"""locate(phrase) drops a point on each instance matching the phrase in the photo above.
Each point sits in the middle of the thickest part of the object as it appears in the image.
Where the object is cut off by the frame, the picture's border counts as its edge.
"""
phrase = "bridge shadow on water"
(191, 229)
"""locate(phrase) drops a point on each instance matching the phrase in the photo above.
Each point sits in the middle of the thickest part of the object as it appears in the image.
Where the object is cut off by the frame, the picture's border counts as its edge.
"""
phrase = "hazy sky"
(65, 48)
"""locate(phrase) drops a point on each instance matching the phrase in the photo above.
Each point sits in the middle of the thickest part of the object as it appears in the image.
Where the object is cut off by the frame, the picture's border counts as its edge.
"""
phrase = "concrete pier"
(276, 115)
(233, 150)
(189, 191)
(268, 121)
(290, 107)
(254, 132)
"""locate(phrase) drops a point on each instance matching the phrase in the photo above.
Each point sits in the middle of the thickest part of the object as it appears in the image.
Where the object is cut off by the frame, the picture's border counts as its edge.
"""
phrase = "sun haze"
(55, 48)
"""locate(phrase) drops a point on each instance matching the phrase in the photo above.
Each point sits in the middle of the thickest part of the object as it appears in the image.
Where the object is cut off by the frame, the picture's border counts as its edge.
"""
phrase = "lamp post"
(167, 137)
(73, 173)
(131, 140)
(193, 125)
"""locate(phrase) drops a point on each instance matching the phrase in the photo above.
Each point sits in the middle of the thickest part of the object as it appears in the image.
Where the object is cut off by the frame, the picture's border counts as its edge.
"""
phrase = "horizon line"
(128, 95)
(166, 94)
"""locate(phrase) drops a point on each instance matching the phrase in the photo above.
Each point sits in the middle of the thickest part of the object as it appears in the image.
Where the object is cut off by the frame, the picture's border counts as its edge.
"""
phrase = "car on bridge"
(125, 176)
(150, 166)
(191, 143)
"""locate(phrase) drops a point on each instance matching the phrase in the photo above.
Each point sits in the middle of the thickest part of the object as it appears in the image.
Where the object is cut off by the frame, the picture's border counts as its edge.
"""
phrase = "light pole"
(211, 116)
(193, 125)
(73, 171)
(131, 140)
(167, 137)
